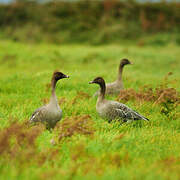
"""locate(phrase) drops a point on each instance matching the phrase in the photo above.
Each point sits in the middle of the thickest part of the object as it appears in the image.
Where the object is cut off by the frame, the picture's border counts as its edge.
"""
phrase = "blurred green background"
(91, 22)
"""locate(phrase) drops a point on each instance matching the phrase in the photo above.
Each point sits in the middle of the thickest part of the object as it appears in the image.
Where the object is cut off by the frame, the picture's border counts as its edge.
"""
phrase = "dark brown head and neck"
(121, 66)
(57, 76)
(101, 82)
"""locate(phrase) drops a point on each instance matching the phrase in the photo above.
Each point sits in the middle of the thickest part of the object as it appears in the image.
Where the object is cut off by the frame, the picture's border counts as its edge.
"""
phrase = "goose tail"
(144, 118)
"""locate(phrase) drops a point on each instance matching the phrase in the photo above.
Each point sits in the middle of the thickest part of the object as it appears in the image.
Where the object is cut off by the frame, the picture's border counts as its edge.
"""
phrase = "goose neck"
(53, 86)
(53, 93)
(102, 92)
(120, 71)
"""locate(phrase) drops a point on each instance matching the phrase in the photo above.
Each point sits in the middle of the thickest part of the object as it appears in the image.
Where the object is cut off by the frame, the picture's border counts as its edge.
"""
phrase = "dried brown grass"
(104, 162)
(18, 141)
(23, 136)
(80, 95)
(161, 95)
(158, 96)
(171, 164)
(18, 145)
(81, 124)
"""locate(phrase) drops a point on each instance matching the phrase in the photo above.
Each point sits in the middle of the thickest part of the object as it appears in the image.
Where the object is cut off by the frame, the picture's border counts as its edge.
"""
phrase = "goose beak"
(91, 82)
(131, 63)
(66, 76)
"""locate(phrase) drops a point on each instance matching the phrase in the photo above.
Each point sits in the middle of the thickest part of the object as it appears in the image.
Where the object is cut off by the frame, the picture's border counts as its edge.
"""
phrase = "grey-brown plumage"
(50, 113)
(112, 110)
(116, 86)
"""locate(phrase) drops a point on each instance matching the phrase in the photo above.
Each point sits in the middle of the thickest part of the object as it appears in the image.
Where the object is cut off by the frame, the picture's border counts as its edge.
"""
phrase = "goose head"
(59, 75)
(125, 62)
(98, 80)
(101, 82)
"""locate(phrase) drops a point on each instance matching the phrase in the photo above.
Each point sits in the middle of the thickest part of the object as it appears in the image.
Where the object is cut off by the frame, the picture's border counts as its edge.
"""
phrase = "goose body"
(115, 87)
(50, 113)
(113, 110)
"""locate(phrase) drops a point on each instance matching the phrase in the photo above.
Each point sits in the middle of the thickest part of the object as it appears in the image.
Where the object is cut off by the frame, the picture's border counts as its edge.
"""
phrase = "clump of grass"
(75, 125)
(83, 159)
(158, 96)
(80, 95)
(167, 98)
(18, 144)
(170, 160)
(18, 138)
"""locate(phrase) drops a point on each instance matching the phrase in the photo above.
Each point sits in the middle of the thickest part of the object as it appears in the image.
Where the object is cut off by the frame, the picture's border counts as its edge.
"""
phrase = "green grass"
(139, 150)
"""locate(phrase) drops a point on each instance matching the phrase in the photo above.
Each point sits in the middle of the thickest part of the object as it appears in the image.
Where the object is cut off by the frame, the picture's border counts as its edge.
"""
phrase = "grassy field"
(84, 145)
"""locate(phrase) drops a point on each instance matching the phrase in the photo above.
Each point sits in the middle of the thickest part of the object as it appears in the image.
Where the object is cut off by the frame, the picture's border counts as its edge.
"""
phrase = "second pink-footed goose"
(50, 113)
(115, 87)
(113, 110)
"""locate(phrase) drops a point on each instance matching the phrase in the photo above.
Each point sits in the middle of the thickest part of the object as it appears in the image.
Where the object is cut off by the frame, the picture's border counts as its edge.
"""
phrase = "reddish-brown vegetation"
(158, 96)
(171, 164)
(80, 95)
(167, 98)
(18, 142)
(75, 125)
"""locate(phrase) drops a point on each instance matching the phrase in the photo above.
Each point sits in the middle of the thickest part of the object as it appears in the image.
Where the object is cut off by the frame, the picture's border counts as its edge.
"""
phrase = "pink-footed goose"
(116, 86)
(50, 113)
(113, 110)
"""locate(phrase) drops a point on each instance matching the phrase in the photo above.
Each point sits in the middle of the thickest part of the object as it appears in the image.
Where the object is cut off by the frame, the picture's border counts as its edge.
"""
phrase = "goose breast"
(48, 115)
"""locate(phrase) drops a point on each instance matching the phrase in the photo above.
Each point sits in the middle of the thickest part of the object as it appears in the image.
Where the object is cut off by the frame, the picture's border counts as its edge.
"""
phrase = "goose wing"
(127, 113)
(37, 115)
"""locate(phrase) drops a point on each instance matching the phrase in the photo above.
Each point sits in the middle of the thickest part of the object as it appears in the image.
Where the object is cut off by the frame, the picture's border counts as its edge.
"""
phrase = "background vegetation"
(91, 21)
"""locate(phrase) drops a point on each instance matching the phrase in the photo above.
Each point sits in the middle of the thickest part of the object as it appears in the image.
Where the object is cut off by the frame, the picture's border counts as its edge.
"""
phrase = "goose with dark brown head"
(116, 86)
(50, 113)
(113, 110)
